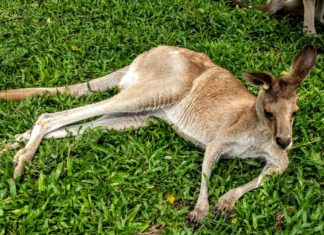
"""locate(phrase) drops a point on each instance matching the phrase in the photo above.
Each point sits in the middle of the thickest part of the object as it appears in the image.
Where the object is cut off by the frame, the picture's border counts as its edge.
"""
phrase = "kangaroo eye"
(268, 114)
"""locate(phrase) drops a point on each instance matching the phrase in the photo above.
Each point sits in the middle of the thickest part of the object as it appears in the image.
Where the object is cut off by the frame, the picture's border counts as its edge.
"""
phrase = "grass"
(106, 182)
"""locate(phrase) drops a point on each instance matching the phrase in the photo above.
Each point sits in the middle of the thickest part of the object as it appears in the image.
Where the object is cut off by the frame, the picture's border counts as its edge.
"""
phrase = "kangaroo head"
(277, 100)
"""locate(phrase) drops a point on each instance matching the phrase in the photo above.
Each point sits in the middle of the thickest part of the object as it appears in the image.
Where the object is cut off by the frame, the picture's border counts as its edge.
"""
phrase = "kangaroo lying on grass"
(203, 102)
(307, 8)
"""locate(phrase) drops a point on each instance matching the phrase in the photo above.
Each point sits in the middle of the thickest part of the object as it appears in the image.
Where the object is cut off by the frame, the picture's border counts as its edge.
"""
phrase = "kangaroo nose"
(283, 142)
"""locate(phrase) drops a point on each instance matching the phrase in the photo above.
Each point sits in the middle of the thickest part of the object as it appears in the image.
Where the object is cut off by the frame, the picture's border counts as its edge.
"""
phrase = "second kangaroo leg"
(109, 122)
(140, 97)
(309, 16)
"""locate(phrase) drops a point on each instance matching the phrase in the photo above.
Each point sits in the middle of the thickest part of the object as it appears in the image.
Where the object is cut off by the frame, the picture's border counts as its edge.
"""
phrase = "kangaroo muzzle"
(283, 142)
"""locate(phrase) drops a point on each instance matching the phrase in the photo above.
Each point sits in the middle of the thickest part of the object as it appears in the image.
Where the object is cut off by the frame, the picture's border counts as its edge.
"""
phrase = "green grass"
(107, 182)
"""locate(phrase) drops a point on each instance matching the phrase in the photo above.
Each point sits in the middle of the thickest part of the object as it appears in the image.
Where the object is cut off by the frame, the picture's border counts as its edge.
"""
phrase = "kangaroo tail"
(95, 85)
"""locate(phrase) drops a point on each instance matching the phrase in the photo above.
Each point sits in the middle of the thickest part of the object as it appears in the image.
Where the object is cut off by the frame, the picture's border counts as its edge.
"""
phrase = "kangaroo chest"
(246, 147)
(249, 145)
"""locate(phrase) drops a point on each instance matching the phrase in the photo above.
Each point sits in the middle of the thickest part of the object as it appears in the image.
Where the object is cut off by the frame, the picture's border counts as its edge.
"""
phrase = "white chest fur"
(248, 146)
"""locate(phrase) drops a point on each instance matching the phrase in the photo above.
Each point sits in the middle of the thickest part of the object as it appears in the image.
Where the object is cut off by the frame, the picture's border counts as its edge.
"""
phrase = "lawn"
(105, 182)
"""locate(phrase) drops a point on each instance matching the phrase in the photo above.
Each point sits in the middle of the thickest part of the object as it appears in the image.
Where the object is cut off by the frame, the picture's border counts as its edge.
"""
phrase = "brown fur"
(309, 9)
(203, 102)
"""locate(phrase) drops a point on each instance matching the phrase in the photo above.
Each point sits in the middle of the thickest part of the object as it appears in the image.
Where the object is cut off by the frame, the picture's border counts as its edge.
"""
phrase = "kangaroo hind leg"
(142, 96)
(110, 122)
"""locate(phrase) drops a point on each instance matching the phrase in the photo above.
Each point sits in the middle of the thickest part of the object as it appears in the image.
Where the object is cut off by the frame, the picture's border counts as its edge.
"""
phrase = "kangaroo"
(309, 9)
(203, 102)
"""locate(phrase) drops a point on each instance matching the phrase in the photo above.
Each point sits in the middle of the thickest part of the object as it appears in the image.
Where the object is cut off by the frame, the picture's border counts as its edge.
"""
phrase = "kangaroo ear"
(263, 80)
(302, 64)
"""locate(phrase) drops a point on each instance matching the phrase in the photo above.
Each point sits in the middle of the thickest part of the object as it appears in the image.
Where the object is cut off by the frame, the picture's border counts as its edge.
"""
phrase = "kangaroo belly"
(189, 127)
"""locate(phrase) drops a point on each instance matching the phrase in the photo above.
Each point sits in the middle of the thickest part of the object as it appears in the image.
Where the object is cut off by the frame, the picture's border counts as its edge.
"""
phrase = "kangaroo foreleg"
(212, 155)
(226, 202)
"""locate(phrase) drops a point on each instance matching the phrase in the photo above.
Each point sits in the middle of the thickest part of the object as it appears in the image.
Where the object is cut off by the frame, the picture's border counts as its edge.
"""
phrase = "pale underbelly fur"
(246, 146)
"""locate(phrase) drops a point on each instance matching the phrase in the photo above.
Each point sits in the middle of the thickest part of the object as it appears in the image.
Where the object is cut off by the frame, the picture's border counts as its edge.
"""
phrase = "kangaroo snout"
(283, 142)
